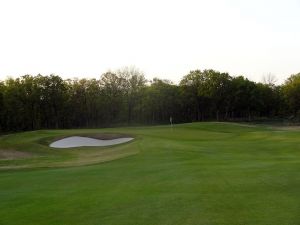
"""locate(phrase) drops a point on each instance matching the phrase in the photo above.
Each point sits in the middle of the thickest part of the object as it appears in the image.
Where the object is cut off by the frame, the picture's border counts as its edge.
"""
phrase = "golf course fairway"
(191, 174)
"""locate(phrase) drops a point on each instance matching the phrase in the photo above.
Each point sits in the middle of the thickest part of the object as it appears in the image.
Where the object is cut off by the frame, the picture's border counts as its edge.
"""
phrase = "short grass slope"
(193, 174)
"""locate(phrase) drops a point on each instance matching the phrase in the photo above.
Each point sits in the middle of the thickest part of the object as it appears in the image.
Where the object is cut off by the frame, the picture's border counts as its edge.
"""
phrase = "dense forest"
(125, 97)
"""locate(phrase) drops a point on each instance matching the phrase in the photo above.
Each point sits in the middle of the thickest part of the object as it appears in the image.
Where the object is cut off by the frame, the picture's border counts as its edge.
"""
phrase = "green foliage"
(162, 100)
(126, 97)
(291, 90)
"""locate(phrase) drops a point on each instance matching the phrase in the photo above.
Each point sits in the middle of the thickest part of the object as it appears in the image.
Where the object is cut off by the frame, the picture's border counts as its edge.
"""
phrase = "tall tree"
(113, 91)
(2, 109)
(191, 86)
(291, 91)
(162, 101)
(133, 82)
(53, 97)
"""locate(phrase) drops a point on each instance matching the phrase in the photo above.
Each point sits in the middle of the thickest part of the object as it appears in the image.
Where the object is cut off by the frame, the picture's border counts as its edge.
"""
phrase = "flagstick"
(171, 122)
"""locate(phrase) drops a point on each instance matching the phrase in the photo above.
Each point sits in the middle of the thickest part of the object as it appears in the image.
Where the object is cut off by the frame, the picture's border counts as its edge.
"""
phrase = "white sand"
(76, 141)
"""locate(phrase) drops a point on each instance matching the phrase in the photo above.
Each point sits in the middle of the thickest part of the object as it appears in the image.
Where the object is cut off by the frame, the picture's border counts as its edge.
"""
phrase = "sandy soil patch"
(287, 128)
(13, 154)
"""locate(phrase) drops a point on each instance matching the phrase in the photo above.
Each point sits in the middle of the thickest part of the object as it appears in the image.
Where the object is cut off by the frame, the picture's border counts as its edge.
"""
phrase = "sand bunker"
(77, 141)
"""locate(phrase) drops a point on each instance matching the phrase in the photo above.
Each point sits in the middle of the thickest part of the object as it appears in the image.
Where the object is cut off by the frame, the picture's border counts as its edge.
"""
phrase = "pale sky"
(163, 38)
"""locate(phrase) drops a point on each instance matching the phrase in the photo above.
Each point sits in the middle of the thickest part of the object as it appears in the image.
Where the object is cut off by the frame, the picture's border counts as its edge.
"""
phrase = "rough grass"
(202, 173)
(31, 149)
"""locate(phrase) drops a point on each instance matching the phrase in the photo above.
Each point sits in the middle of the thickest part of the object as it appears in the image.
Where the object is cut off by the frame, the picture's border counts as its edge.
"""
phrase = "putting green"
(201, 173)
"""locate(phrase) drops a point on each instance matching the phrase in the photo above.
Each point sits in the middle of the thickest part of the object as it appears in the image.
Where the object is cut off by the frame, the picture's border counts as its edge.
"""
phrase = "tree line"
(125, 97)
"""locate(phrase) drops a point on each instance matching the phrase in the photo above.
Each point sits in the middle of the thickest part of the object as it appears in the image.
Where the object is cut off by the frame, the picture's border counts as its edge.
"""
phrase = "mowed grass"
(201, 173)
